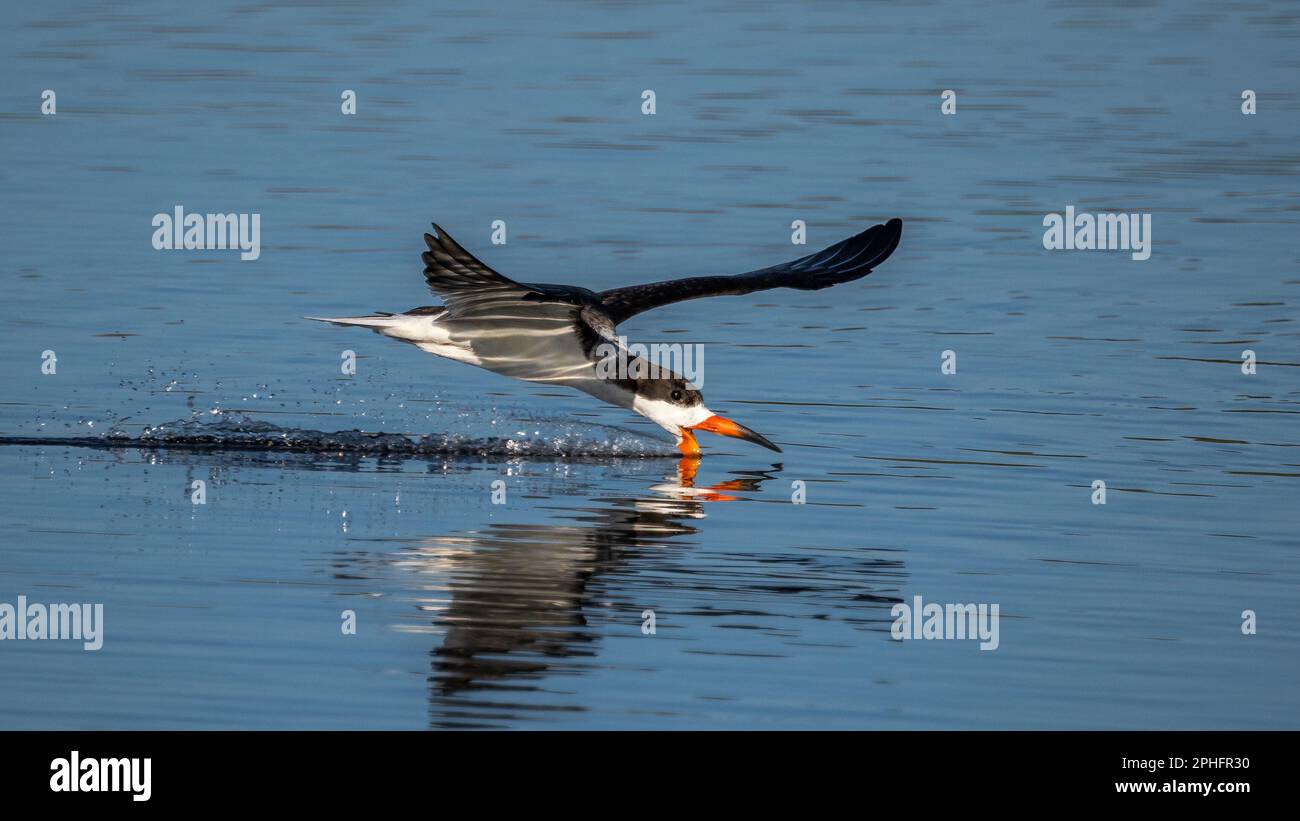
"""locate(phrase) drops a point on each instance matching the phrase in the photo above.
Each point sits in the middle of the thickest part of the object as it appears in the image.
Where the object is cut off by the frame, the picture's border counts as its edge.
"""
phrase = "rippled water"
(973, 487)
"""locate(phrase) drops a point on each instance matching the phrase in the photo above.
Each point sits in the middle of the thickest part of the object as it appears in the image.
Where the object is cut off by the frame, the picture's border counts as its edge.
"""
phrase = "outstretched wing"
(844, 261)
(469, 287)
(462, 281)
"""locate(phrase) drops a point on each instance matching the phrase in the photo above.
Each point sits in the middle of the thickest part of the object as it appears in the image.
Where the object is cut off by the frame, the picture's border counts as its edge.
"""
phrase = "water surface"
(973, 487)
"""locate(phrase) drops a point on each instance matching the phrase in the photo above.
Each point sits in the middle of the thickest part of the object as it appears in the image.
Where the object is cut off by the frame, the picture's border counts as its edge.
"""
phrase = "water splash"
(237, 432)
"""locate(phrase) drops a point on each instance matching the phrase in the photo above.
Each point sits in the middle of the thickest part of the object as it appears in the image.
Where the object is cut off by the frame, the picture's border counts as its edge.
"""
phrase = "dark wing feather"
(468, 286)
(844, 261)
(464, 282)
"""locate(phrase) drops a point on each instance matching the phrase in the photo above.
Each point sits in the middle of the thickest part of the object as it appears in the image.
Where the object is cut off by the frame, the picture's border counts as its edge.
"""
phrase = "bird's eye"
(676, 396)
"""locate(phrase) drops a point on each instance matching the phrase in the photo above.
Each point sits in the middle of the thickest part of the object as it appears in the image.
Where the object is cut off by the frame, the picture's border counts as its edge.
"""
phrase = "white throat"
(668, 416)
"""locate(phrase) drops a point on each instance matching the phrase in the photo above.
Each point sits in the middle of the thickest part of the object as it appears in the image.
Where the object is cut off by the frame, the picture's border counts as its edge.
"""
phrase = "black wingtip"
(881, 246)
(895, 229)
(891, 228)
(856, 256)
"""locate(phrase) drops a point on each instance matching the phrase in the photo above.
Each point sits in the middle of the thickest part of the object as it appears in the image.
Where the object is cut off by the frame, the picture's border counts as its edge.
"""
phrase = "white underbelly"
(533, 346)
(536, 349)
(450, 351)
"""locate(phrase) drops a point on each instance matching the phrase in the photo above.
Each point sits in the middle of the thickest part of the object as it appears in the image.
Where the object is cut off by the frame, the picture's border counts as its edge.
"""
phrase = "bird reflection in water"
(517, 596)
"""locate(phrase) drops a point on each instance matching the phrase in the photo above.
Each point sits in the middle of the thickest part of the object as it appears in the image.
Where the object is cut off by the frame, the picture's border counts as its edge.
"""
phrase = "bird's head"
(678, 407)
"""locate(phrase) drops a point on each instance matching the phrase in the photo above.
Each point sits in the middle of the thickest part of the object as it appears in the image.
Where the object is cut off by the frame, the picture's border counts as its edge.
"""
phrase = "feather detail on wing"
(844, 261)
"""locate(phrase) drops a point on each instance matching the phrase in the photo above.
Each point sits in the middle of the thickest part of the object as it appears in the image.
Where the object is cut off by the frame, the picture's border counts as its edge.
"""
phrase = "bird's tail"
(377, 320)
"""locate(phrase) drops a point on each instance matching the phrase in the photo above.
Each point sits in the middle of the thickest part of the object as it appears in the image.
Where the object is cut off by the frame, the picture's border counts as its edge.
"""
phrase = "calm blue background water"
(973, 487)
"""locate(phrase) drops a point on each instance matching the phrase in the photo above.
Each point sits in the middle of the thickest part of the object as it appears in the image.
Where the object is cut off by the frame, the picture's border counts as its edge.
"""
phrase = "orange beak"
(724, 427)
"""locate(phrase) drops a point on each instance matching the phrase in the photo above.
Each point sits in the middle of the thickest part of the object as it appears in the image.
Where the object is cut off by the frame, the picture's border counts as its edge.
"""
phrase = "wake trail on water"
(235, 432)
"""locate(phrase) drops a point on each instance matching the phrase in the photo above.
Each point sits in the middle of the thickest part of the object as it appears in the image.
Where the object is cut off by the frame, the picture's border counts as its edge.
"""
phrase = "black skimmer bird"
(559, 334)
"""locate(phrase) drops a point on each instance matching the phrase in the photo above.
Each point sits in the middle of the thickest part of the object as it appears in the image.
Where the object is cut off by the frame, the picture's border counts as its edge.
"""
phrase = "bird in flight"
(558, 334)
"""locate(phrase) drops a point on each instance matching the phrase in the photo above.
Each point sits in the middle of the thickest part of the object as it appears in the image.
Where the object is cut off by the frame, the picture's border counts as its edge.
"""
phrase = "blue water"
(972, 487)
